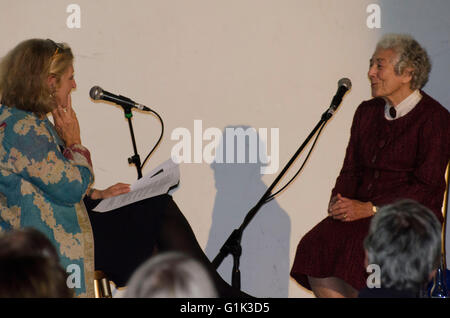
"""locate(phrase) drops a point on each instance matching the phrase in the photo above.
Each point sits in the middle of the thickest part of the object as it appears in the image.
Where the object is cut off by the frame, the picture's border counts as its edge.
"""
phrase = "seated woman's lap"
(126, 237)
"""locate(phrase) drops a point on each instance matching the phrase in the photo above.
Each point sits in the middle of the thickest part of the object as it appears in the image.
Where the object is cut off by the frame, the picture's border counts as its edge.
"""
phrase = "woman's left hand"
(112, 191)
(346, 210)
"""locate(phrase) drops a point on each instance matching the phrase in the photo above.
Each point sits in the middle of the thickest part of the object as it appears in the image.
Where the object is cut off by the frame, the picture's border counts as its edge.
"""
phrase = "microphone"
(344, 84)
(98, 93)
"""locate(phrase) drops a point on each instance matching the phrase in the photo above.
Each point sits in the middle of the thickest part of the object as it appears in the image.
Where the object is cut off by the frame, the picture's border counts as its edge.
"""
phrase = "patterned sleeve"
(35, 157)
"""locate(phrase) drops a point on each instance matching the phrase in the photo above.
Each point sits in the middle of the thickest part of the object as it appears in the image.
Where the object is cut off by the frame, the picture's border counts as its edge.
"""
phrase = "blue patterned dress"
(42, 186)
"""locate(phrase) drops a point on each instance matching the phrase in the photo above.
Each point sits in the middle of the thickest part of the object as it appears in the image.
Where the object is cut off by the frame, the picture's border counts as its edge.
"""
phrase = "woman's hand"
(112, 191)
(346, 210)
(66, 123)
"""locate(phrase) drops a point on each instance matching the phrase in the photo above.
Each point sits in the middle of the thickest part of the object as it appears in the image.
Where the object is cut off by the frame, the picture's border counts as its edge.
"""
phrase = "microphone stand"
(233, 244)
(135, 159)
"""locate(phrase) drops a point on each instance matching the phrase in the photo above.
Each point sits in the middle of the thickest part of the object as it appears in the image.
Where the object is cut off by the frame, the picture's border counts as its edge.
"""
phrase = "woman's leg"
(331, 287)
(126, 237)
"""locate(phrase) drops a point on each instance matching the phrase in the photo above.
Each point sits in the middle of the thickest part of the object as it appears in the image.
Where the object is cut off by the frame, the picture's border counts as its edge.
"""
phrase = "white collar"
(405, 106)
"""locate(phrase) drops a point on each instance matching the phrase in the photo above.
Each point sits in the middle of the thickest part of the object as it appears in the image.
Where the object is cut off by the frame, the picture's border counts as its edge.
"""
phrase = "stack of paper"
(159, 181)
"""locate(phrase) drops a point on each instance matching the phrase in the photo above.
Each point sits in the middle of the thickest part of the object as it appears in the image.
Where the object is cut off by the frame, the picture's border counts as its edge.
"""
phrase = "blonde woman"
(42, 187)
(46, 178)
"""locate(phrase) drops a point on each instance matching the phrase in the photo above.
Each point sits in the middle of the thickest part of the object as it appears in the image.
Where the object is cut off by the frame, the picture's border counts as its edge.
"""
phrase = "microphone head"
(96, 92)
(347, 83)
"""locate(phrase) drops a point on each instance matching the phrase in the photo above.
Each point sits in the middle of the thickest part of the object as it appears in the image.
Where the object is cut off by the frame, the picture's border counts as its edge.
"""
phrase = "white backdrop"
(251, 63)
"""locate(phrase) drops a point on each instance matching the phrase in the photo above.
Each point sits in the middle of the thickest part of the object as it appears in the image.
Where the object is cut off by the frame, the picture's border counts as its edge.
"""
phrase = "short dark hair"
(29, 266)
(32, 277)
(27, 241)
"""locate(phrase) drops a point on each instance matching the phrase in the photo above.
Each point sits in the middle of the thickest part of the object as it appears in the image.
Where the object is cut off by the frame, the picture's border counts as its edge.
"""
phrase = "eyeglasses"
(59, 47)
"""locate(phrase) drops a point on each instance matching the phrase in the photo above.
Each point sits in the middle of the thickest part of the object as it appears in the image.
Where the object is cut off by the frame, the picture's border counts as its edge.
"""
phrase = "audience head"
(171, 275)
(29, 267)
(27, 241)
(405, 241)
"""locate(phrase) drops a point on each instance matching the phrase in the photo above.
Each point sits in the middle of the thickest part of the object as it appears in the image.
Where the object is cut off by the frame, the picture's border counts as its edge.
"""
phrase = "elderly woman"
(398, 149)
(46, 172)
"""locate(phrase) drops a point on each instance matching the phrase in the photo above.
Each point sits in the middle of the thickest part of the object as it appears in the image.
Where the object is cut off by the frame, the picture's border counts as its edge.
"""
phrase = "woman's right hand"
(66, 123)
(112, 191)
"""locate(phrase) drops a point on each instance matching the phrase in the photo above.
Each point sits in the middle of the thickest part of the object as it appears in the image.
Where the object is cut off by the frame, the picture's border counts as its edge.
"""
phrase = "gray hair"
(409, 55)
(405, 241)
(171, 275)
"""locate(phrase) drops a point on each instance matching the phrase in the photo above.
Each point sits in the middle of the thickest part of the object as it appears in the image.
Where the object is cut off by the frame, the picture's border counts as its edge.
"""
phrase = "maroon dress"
(385, 161)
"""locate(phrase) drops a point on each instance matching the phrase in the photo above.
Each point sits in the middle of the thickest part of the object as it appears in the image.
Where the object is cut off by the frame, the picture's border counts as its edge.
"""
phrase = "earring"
(52, 92)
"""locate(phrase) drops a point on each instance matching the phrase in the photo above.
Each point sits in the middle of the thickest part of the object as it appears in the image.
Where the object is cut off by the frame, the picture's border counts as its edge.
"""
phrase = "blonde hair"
(24, 73)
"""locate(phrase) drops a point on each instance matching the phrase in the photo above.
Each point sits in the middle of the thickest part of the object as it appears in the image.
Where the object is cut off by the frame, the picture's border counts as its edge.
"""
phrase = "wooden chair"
(102, 287)
(444, 212)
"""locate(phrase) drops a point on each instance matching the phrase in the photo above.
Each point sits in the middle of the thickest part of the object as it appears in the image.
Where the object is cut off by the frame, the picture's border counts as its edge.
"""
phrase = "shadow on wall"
(264, 263)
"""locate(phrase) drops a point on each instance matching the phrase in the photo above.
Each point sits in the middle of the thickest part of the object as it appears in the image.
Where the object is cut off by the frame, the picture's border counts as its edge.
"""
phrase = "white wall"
(258, 63)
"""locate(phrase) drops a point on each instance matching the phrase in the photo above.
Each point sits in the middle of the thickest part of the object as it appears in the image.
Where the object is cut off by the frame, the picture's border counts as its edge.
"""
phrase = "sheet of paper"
(159, 181)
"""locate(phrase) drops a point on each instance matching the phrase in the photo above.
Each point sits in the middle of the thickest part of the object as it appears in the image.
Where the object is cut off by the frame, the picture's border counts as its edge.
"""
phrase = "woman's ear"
(51, 82)
(408, 74)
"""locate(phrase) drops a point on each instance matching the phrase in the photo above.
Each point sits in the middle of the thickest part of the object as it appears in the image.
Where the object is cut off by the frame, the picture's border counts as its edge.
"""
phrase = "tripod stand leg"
(236, 276)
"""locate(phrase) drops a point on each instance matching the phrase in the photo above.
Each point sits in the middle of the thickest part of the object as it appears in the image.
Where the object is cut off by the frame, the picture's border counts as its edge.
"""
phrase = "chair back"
(444, 212)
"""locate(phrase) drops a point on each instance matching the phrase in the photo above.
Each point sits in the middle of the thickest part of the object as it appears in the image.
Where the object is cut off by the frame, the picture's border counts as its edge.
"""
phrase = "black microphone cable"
(344, 84)
(159, 139)
(272, 196)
